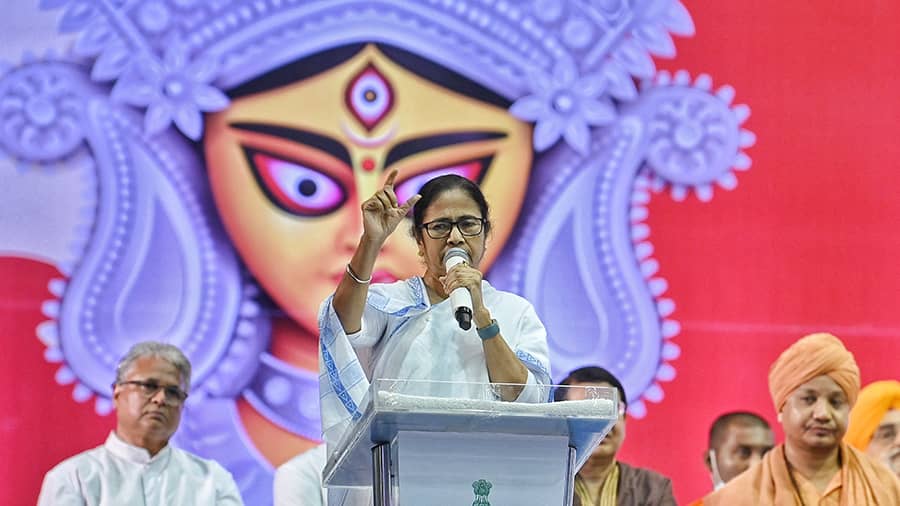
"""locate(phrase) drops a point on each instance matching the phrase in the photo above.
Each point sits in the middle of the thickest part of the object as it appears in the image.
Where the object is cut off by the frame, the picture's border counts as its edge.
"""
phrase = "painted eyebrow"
(321, 142)
(413, 146)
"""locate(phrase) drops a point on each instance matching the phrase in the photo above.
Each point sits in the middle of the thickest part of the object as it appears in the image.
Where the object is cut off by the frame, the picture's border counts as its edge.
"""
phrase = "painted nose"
(351, 229)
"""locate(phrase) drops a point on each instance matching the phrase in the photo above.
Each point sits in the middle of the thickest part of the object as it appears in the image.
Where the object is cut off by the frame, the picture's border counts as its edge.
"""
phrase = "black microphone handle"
(464, 317)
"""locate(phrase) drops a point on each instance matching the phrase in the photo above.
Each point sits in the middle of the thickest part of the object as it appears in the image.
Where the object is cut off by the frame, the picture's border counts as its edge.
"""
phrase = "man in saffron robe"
(814, 384)
(875, 423)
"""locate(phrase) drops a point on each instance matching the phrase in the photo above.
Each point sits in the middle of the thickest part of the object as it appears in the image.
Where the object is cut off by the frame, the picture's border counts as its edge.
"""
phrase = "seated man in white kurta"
(136, 465)
(299, 480)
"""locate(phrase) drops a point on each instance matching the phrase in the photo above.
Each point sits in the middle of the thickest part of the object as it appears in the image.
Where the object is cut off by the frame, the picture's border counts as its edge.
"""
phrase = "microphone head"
(457, 252)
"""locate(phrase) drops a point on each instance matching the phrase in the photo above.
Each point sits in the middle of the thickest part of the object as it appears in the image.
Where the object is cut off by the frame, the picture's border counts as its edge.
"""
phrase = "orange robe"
(863, 482)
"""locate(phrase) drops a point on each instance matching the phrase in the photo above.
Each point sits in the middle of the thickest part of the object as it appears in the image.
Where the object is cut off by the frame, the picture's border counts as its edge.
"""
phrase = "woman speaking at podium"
(419, 328)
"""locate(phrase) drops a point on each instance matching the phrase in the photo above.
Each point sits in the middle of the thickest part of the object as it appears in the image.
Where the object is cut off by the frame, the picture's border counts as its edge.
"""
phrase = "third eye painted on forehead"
(299, 184)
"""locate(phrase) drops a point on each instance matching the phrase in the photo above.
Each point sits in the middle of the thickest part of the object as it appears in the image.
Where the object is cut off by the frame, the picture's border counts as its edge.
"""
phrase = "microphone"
(459, 297)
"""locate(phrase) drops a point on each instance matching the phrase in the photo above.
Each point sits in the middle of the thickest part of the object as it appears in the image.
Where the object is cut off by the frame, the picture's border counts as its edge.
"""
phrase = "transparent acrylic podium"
(434, 443)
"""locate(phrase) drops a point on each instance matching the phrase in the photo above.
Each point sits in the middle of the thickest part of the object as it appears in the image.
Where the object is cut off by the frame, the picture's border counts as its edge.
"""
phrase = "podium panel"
(445, 468)
(420, 442)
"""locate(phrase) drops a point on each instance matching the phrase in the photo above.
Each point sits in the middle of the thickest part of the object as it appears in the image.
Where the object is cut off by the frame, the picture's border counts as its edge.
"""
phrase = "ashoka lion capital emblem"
(482, 489)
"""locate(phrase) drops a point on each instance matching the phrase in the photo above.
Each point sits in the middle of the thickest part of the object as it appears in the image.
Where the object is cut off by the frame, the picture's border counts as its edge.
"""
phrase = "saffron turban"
(814, 355)
(874, 402)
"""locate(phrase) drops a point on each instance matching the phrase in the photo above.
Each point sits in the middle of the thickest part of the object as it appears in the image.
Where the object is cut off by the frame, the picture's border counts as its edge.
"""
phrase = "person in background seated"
(737, 441)
(299, 480)
(814, 384)
(136, 464)
(604, 481)
(875, 423)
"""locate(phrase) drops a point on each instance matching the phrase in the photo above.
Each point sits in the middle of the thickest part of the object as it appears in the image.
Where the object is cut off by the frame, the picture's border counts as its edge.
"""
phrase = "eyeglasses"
(173, 394)
(439, 229)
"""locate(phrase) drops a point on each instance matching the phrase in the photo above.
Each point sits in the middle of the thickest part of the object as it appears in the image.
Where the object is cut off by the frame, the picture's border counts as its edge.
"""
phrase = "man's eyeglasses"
(439, 229)
(174, 394)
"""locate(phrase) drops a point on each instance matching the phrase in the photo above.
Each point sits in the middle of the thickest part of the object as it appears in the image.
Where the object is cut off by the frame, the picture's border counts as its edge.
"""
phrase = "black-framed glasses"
(173, 394)
(468, 226)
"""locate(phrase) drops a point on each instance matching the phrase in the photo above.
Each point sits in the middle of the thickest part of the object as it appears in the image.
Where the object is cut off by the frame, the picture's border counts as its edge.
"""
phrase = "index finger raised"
(390, 179)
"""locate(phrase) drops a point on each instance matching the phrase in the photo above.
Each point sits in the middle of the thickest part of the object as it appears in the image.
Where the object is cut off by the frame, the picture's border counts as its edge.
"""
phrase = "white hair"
(168, 352)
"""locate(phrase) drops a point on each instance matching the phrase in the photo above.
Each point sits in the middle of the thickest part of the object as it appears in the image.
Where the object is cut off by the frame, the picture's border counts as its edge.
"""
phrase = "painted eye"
(294, 187)
(473, 170)
(369, 97)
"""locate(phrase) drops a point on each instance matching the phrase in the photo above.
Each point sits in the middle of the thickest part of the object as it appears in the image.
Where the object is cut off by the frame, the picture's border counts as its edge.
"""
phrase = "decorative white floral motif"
(695, 135)
(40, 115)
(174, 90)
(77, 15)
(565, 105)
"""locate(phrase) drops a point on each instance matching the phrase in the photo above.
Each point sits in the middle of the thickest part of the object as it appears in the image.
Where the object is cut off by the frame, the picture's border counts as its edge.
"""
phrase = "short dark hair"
(723, 422)
(436, 187)
(591, 374)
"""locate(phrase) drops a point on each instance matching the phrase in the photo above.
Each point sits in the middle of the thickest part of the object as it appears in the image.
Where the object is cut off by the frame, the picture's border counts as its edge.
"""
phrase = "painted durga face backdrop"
(290, 162)
(289, 168)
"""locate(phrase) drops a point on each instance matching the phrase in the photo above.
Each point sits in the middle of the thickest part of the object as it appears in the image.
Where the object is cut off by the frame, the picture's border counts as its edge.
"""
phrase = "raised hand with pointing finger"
(382, 212)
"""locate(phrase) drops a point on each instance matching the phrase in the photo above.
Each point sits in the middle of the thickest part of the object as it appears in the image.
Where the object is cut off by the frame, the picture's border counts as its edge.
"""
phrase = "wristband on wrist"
(490, 331)
(356, 278)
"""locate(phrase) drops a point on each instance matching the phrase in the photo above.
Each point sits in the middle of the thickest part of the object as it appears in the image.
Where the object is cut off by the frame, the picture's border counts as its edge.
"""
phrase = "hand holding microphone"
(460, 298)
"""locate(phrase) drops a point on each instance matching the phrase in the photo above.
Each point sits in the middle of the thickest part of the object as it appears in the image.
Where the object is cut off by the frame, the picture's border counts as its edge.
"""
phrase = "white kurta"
(299, 480)
(118, 473)
(403, 336)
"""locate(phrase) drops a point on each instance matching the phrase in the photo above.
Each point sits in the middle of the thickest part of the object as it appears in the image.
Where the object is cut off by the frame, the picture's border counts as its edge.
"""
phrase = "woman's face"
(451, 207)
(290, 167)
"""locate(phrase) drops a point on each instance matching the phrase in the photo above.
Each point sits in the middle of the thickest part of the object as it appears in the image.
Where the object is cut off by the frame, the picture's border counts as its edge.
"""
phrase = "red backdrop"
(808, 241)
